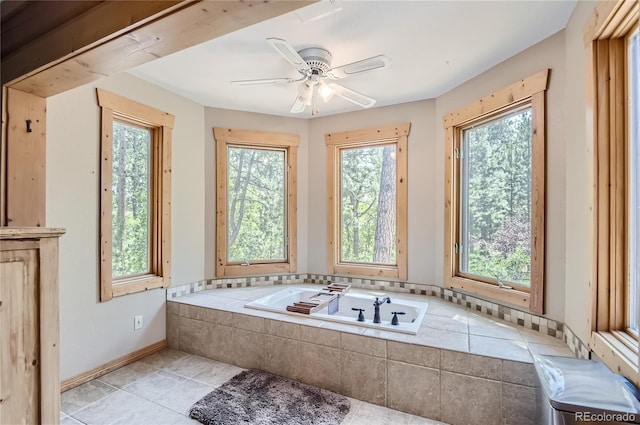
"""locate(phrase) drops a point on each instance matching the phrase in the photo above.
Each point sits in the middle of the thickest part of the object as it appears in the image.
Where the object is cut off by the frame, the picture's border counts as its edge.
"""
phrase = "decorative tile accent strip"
(580, 349)
(518, 317)
(239, 282)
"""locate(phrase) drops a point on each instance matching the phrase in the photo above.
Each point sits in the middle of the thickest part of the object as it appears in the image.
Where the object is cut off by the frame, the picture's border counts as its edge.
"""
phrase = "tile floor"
(160, 389)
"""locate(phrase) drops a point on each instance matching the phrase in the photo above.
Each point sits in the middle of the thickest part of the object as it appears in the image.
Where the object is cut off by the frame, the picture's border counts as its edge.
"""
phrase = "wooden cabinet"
(29, 352)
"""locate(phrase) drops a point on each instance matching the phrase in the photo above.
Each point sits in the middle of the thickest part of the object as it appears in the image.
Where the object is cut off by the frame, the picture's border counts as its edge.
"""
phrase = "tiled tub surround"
(463, 367)
(502, 312)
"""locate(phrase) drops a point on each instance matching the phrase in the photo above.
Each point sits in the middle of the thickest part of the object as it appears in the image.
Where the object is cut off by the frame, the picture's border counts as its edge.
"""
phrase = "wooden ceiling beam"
(181, 24)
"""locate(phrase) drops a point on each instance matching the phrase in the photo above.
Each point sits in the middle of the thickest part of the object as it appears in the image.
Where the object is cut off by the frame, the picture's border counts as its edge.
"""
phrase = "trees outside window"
(135, 200)
(367, 201)
(131, 212)
(256, 207)
(495, 206)
(256, 202)
(494, 195)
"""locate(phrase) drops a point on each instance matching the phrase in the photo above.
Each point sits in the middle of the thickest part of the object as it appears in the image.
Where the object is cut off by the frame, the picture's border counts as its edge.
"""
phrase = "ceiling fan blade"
(375, 62)
(290, 54)
(353, 96)
(298, 106)
(264, 81)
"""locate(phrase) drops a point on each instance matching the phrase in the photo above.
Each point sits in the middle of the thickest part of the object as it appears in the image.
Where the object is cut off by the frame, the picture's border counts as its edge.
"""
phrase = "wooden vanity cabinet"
(29, 329)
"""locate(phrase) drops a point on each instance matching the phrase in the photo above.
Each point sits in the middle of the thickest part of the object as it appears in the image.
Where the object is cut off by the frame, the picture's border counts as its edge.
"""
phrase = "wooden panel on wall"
(19, 336)
(26, 155)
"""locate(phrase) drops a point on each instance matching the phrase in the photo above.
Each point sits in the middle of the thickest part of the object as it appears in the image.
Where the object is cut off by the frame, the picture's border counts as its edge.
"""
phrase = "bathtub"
(408, 322)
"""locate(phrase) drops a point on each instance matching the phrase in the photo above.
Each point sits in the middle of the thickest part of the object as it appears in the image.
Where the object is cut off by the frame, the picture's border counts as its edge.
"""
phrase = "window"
(135, 202)
(256, 202)
(367, 172)
(611, 36)
(634, 182)
(494, 207)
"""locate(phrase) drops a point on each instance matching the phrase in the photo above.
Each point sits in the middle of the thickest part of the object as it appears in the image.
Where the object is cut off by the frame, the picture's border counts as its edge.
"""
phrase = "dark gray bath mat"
(254, 397)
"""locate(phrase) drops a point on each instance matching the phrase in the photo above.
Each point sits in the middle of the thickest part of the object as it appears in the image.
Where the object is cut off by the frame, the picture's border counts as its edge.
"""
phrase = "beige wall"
(215, 117)
(579, 173)
(93, 333)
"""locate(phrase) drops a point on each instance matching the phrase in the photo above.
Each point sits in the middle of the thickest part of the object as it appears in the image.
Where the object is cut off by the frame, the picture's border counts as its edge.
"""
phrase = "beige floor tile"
(369, 414)
(217, 374)
(180, 399)
(355, 405)
(68, 420)
(111, 409)
(154, 384)
(163, 358)
(190, 366)
(153, 414)
(127, 374)
(84, 395)
(417, 420)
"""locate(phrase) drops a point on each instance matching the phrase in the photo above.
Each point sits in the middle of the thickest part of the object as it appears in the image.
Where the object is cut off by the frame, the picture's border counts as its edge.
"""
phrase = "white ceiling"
(433, 46)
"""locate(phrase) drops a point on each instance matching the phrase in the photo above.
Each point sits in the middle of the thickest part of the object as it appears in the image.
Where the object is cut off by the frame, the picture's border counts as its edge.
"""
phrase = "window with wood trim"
(256, 202)
(367, 187)
(135, 197)
(494, 189)
(611, 37)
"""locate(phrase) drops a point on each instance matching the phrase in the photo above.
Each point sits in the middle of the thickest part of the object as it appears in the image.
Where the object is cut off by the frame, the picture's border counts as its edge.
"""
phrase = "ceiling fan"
(314, 66)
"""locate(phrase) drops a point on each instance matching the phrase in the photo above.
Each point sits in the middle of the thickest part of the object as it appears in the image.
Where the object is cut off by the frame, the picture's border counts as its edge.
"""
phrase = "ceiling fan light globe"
(305, 91)
(326, 92)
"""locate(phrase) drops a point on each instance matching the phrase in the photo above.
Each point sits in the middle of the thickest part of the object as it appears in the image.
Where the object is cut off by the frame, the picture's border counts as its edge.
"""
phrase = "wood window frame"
(529, 91)
(259, 139)
(605, 37)
(397, 134)
(118, 107)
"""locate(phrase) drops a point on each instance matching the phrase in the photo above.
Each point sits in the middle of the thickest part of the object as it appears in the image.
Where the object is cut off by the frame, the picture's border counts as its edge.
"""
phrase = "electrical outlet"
(137, 322)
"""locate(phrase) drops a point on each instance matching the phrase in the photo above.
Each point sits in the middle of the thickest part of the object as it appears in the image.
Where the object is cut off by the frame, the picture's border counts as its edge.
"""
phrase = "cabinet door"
(19, 347)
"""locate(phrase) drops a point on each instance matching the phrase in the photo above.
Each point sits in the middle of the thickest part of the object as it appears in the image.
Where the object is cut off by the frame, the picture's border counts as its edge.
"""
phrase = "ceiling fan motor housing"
(318, 59)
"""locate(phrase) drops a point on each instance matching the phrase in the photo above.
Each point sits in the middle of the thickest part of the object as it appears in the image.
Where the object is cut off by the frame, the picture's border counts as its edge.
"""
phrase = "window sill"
(373, 271)
(511, 296)
(138, 284)
(239, 270)
(616, 355)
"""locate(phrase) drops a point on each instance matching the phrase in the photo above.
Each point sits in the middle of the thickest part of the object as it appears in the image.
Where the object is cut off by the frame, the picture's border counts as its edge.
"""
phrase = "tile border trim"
(577, 347)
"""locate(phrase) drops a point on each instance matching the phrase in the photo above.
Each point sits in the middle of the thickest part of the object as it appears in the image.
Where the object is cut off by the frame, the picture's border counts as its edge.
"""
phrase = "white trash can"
(574, 391)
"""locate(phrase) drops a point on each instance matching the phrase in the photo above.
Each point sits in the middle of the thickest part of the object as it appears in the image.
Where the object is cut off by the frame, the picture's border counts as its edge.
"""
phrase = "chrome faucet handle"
(394, 320)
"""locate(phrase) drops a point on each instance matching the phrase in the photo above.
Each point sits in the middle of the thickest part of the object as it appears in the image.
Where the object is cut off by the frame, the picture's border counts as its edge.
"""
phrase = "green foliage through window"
(634, 181)
(368, 204)
(130, 200)
(495, 238)
(256, 204)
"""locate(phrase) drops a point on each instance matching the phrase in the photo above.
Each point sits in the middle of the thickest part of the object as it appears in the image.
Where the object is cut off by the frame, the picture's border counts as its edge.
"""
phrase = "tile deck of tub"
(446, 325)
